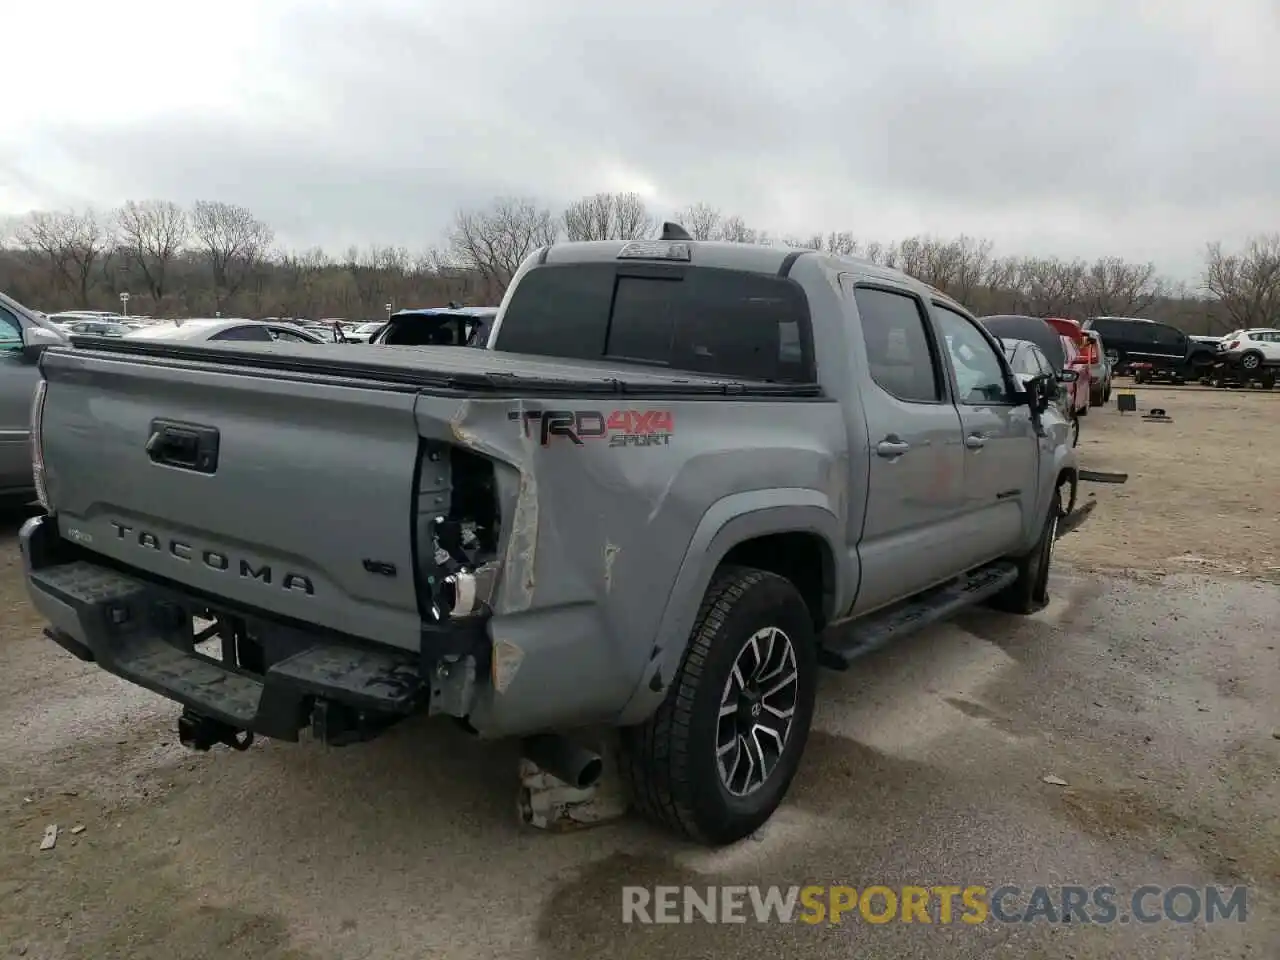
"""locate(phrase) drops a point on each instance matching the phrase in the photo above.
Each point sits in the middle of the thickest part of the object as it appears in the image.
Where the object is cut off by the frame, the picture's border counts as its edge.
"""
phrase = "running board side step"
(843, 644)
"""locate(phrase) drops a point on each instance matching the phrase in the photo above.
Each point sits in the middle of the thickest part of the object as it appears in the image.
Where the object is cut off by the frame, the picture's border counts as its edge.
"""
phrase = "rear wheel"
(1251, 361)
(1075, 431)
(716, 758)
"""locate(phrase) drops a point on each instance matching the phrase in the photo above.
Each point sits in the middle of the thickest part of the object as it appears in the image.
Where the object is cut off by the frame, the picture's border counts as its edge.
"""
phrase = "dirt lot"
(1200, 494)
(1149, 686)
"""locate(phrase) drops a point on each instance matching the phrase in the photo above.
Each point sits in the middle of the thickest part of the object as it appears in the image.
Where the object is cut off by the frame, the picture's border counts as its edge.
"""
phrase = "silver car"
(1099, 370)
(203, 329)
(22, 336)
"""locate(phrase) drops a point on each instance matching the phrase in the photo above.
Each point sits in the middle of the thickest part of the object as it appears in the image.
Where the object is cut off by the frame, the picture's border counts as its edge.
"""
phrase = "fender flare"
(727, 523)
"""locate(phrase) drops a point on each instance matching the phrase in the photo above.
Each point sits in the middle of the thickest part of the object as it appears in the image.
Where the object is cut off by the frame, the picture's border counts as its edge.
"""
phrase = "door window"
(979, 374)
(899, 352)
(288, 336)
(10, 330)
(251, 332)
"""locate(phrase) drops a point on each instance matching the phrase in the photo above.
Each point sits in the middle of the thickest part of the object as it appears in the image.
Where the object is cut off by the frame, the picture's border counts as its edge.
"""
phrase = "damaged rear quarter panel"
(599, 501)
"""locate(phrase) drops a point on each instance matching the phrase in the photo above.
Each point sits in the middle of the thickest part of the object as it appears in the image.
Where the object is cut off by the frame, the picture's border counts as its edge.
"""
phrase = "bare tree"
(71, 242)
(608, 216)
(701, 220)
(735, 230)
(1115, 287)
(495, 241)
(235, 242)
(152, 234)
(1246, 284)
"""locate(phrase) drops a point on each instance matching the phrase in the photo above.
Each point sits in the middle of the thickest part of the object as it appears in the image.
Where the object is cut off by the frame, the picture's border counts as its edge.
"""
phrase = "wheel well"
(803, 558)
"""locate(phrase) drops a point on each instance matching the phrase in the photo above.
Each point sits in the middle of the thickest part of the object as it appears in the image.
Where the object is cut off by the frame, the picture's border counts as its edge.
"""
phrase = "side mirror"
(1036, 392)
(35, 340)
(1068, 376)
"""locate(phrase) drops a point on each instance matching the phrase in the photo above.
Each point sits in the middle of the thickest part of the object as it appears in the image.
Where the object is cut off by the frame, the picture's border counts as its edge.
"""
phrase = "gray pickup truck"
(683, 477)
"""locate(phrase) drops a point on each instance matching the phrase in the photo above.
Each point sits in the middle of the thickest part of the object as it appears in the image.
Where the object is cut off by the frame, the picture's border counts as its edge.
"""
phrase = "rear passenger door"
(915, 460)
(1001, 450)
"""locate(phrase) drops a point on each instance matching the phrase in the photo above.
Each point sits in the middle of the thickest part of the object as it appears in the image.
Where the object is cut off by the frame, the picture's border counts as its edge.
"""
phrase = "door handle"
(889, 448)
(975, 441)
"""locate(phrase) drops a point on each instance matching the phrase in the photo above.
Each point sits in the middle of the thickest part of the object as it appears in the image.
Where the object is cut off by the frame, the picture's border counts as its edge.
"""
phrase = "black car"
(1033, 330)
(1131, 340)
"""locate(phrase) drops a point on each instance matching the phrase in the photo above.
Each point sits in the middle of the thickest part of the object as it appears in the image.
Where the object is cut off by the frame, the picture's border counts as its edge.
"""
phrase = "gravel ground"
(1149, 690)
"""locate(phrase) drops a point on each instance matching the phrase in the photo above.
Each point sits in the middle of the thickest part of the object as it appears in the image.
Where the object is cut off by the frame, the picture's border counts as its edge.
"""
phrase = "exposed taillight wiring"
(37, 443)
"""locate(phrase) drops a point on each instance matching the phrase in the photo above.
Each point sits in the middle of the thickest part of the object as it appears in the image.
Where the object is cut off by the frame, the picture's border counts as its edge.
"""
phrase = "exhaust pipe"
(563, 759)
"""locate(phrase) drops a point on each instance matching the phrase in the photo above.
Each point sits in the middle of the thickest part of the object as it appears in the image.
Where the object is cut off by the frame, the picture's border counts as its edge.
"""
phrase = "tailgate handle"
(187, 446)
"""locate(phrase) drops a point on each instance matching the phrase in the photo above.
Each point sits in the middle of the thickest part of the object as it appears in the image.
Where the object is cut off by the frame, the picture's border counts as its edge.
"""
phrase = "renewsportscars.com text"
(943, 905)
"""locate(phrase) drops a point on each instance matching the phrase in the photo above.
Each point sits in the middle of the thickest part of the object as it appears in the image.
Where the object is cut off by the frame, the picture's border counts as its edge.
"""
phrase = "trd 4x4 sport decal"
(623, 428)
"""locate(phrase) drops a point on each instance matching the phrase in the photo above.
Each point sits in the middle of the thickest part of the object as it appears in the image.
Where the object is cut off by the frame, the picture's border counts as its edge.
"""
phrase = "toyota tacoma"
(682, 477)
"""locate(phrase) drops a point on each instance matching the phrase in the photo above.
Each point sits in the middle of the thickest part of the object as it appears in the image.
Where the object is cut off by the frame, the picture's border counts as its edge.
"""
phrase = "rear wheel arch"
(803, 535)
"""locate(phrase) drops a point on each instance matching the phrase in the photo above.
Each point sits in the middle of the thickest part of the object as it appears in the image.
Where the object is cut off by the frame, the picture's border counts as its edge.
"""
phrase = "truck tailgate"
(291, 497)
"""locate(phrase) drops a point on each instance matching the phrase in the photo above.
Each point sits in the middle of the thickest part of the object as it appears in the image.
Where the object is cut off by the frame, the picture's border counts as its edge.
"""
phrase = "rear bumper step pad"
(123, 626)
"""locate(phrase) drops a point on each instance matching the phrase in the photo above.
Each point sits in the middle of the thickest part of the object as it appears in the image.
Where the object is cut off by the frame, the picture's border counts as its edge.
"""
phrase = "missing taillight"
(37, 443)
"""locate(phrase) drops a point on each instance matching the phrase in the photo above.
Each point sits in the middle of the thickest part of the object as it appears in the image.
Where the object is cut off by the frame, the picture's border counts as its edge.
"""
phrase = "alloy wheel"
(756, 711)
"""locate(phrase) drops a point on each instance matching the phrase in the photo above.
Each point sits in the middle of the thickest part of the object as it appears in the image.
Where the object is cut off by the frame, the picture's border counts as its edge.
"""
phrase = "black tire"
(1251, 361)
(1030, 592)
(1097, 398)
(1075, 431)
(1268, 382)
(670, 763)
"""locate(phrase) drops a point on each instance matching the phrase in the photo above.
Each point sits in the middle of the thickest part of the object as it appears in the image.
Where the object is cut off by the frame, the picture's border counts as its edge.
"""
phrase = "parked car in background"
(1135, 340)
(23, 335)
(98, 328)
(438, 326)
(1099, 369)
(1079, 350)
(1027, 361)
(1063, 354)
(363, 332)
(201, 329)
(1252, 350)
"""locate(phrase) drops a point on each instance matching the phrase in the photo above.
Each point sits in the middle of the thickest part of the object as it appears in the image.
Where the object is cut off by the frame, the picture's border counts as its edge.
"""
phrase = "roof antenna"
(673, 231)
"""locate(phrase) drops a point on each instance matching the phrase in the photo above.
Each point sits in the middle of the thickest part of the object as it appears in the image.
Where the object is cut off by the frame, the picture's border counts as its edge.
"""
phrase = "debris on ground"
(1055, 780)
(78, 828)
(50, 837)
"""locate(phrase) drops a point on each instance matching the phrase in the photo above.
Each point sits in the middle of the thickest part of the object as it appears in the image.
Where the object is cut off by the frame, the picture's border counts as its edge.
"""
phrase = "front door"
(915, 473)
(1001, 450)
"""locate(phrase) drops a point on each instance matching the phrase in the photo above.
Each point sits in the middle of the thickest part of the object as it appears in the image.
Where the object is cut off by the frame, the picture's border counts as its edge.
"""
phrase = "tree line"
(220, 257)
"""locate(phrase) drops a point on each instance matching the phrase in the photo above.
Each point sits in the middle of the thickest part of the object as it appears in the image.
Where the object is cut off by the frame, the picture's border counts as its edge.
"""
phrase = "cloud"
(1071, 127)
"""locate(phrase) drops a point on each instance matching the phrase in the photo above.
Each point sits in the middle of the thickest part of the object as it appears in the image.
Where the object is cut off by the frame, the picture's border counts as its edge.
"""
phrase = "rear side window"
(10, 329)
(703, 320)
(898, 352)
(255, 333)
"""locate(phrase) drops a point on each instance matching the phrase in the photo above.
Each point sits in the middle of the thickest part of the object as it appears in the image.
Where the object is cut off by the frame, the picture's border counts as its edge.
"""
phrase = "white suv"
(1253, 349)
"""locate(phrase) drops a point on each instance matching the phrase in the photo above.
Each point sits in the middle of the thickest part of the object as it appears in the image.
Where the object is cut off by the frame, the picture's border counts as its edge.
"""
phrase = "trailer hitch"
(199, 732)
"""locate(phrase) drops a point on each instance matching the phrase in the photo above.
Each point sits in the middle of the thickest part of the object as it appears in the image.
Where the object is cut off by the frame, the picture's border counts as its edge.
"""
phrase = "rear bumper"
(142, 631)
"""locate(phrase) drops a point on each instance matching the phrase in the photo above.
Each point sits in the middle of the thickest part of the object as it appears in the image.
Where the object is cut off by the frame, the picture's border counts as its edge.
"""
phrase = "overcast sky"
(1066, 127)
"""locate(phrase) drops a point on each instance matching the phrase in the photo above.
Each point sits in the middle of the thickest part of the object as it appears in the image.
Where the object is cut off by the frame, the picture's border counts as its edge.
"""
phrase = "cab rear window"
(697, 319)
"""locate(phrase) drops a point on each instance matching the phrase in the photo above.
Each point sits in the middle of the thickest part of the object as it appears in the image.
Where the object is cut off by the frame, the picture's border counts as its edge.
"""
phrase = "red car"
(1080, 354)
